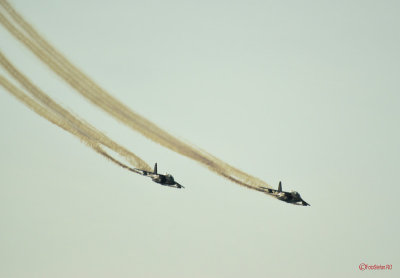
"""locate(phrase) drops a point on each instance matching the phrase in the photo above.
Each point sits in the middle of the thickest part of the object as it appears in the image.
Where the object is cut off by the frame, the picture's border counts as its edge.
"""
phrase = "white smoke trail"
(57, 120)
(90, 90)
(84, 128)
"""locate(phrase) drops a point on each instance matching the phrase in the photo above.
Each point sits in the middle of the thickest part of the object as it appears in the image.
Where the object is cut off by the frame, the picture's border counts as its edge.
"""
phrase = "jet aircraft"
(292, 197)
(167, 179)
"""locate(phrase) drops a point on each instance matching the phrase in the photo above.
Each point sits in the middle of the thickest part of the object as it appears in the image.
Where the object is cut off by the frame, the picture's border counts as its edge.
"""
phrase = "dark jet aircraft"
(167, 179)
(289, 197)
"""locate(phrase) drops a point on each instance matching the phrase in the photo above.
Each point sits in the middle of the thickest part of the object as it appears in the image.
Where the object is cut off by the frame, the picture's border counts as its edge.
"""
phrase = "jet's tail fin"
(280, 187)
(155, 168)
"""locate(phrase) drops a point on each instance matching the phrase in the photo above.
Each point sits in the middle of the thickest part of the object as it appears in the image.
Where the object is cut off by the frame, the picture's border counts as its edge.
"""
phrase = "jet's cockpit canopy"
(169, 176)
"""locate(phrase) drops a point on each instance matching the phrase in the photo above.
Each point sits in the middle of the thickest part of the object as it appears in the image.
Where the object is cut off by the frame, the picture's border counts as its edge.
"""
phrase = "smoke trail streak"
(73, 121)
(90, 90)
(57, 120)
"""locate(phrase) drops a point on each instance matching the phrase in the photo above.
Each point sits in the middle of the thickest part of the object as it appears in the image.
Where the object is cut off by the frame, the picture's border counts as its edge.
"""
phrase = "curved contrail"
(98, 96)
(81, 128)
(56, 119)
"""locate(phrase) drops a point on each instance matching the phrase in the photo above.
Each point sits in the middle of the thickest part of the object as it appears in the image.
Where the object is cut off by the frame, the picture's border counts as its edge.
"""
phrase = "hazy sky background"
(306, 92)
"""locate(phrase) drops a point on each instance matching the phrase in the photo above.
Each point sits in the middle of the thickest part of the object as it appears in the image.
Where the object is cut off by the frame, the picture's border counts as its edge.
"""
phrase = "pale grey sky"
(306, 92)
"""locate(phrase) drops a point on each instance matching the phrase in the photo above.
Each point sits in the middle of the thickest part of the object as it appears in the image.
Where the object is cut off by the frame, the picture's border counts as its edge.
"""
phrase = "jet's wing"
(139, 171)
(268, 190)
